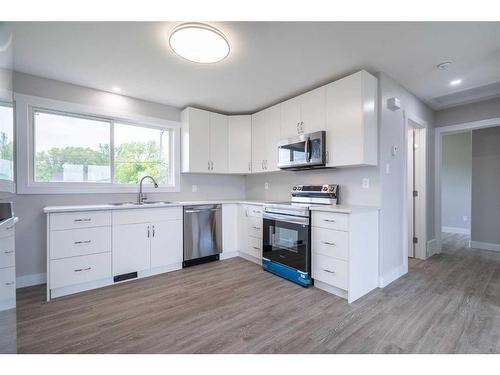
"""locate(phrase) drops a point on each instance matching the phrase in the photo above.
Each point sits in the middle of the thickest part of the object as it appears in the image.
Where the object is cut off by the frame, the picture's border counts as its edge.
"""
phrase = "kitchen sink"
(139, 204)
(156, 202)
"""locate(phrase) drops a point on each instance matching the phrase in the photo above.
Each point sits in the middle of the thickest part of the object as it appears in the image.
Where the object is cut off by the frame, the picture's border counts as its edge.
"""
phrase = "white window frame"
(25, 105)
(9, 186)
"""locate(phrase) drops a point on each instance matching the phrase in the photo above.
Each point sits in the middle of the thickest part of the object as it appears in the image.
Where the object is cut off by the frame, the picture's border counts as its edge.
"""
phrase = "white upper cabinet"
(195, 140)
(265, 138)
(239, 144)
(351, 121)
(218, 143)
(304, 114)
(204, 141)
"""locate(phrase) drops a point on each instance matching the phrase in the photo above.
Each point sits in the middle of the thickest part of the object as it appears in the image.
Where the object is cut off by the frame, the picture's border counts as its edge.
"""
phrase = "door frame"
(414, 122)
(438, 145)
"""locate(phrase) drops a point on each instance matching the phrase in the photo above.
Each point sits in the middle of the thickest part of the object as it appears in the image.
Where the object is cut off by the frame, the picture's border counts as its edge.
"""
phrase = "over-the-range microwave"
(305, 151)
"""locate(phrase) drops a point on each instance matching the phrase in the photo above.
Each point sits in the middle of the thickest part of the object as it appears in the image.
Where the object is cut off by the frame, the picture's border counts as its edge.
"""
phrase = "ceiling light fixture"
(444, 65)
(455, 82)
(116, 89)
(198, 42)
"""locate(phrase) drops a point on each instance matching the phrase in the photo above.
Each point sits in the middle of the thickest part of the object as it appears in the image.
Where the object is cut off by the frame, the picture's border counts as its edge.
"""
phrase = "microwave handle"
(307, 150)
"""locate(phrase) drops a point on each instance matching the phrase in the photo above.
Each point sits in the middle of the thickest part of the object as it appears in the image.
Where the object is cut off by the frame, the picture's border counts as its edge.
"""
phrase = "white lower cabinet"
(7, 265)
(85, 250)
(250, 232)
(344, 250)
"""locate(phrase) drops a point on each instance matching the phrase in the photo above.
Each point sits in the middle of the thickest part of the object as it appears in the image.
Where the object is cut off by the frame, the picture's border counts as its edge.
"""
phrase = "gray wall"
(456, 174)
(470, 112)
(30, 232)
(350, 180)
(392, 132)
(486, 185)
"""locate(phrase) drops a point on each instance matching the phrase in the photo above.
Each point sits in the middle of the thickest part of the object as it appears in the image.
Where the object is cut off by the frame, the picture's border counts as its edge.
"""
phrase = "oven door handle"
(287, 219)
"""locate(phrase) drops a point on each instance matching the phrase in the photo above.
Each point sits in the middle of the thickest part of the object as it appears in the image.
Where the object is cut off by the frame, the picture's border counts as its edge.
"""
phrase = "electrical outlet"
(266, 185)
(366, 183)
(387, 168)
(194, 188)
(465, 218)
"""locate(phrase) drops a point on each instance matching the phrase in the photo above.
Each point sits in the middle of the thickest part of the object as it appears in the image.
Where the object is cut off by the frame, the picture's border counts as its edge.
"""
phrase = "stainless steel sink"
(121, 204)
(139, 204)
(157, 202)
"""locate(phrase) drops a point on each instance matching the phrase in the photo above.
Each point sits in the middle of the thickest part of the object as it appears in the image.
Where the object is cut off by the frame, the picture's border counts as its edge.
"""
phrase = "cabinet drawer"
(78, 270)
(7, 254)
(330, 242)
(254, 227)
(74, 220)
(253, 211)
(7, 284)
(7, 229)
(254, 247)
(330, 270)
(330, 220)
(76, 242)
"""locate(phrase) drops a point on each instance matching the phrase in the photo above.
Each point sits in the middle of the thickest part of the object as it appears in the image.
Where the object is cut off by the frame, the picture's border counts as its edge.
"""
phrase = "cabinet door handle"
(208, 167)
(329, 220)
(8, 251)
(249, 166)
(9, 283)
(153, 230)
(82, 242)
(83, 269)
(262, 164)
(329, 271)
(148, 231)
(82, 220)
(329, 243)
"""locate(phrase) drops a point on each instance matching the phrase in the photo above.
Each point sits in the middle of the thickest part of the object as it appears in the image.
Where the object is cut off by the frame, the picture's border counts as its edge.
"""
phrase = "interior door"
(218, 142)
(131, 248)
(166, 243)
(411, 189)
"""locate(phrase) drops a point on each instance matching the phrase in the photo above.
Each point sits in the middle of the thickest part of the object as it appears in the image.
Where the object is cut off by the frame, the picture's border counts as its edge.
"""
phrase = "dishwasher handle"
(196, 211)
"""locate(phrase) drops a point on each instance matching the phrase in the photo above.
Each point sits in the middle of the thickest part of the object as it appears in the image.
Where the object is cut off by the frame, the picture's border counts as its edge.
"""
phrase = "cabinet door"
(239, 144)
(195, 140)
(258, 141)
(166, 243)
(218, 142)
(344, 137)
(313, 110)
(272, 120)
(131, 248)
(290, 118)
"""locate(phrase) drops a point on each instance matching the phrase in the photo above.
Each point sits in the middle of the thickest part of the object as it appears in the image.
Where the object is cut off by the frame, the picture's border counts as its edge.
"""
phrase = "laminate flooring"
(449, 303)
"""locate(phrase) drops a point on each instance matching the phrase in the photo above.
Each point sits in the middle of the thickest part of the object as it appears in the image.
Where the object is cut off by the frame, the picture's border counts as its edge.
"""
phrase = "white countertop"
(99, 207)
(347, 209)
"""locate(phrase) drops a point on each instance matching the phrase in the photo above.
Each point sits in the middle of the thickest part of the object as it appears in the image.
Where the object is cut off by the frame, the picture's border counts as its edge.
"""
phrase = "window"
(6, 143)
(73, 148)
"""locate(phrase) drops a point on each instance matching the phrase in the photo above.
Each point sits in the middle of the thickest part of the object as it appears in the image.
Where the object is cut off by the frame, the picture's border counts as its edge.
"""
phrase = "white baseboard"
(30, 280)
(389, 277)
(485, 246)
(227, 255)
(456, 230)
(432, 248)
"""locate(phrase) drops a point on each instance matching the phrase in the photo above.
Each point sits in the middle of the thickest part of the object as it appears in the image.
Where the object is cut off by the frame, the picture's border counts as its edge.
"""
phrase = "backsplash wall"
(349, 179)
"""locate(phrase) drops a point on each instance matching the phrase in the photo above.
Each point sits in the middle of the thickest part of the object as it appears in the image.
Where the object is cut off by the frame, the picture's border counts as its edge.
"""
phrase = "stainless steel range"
(286, 248)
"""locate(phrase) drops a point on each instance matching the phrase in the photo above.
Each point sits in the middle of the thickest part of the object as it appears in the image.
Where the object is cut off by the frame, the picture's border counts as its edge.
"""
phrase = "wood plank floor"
(449, 303)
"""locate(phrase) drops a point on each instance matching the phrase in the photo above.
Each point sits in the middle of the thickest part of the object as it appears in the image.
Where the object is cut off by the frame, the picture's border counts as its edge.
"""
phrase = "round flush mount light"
(455, 82)
(200, 43)
(444, 65)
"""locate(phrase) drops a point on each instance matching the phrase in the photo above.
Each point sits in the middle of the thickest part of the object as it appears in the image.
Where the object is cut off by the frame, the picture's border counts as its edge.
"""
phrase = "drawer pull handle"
(83, 269)
(82, 220)
(328, 243)
(329, 271)
(10, 283)
(8, 251)
(82, 242)
(329, 220)
(256, 248)
(255, 227)
(10, 227)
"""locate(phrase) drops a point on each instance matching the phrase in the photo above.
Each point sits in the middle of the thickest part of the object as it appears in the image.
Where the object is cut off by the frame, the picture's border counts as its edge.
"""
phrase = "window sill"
(68, 188)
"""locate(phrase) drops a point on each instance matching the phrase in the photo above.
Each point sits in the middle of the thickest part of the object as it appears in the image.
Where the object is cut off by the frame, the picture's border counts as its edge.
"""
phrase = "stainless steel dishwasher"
(202, 234)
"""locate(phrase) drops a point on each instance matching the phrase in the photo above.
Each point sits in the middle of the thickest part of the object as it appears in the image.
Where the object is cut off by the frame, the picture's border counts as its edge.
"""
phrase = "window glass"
(71, 149)
(6, 143)
(141, 151)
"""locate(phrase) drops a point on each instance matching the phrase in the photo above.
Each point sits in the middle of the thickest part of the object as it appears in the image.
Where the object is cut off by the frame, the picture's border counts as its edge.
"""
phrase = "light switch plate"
(194, 188)
(366, 183)
(266, 185)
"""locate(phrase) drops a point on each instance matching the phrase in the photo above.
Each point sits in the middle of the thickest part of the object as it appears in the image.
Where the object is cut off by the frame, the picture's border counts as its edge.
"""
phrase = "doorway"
(416, 189)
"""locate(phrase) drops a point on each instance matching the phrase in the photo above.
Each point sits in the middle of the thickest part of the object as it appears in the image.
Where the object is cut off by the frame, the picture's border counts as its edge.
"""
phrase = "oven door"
(286, 240)
(302, 151)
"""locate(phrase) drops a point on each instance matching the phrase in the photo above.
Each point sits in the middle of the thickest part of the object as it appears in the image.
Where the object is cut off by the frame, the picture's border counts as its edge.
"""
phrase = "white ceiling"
(269, 61)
